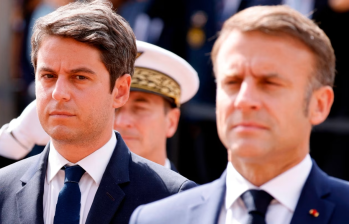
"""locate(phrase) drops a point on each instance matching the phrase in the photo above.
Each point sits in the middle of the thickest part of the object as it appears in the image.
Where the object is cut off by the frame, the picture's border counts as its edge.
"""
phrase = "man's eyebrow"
(268, 75)
(258, 76)
(83, 70)
(141, 99)
(76, 70)
(46, 69)
(232, 75)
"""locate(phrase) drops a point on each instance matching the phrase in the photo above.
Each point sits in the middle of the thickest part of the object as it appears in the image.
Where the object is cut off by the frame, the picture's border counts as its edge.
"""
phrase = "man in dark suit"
(83, 55)
(274, 70)
(162, 81)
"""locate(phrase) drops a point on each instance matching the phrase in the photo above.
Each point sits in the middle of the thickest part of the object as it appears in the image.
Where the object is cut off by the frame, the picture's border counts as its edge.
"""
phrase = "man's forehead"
(260, 52)
(239, 65)
(52, 45)
(249, 42)
(58, 52)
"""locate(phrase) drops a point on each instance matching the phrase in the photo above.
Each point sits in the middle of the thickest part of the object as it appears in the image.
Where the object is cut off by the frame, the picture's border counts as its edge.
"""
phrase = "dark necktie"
(256, 202)
(68, 204)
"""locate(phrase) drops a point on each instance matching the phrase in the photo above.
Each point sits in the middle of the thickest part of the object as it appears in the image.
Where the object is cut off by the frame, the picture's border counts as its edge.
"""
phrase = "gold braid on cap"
(157, 82)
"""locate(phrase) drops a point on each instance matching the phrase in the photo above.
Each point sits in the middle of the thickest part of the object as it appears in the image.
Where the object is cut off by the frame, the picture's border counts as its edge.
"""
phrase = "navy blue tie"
(68, 204)
(256, 202)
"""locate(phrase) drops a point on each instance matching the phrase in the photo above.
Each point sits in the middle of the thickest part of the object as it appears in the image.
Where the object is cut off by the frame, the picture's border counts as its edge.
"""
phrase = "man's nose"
(61, 90)
(248, 97)
(122, 119)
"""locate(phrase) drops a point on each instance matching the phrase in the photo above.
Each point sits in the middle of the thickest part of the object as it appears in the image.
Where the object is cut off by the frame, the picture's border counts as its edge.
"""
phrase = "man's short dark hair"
(96, 24)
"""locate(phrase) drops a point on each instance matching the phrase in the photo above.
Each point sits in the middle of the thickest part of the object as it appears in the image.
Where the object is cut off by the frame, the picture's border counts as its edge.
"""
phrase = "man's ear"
(172, 119)
(320, 104)
(121, 91)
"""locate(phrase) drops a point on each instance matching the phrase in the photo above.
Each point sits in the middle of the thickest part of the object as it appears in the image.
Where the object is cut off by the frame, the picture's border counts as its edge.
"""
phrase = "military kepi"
(164, 73)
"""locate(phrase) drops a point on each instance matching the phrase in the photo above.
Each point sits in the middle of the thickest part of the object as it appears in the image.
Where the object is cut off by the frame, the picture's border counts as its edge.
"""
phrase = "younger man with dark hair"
(83, 55)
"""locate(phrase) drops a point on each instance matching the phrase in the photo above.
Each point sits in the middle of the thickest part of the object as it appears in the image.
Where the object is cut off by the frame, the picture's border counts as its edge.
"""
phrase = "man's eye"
(140, 108)
(48, 76)
(232, 82)
(80, 77)
(267, 82)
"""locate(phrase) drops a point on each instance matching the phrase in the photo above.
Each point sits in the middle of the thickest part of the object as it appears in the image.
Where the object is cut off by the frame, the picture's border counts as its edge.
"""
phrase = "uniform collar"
(285, 188)
(94, 164)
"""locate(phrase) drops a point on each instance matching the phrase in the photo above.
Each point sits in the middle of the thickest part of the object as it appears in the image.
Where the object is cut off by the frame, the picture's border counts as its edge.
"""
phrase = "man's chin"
(62, 134)
(248, 150)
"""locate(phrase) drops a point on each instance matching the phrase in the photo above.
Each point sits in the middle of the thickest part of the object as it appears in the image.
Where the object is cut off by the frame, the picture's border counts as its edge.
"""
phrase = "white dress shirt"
(167, 164)
(285, 188)
(94, 165)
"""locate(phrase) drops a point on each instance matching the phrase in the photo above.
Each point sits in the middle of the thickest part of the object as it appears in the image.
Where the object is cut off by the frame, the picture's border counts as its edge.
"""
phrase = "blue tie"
(68, 204)
(256, 202)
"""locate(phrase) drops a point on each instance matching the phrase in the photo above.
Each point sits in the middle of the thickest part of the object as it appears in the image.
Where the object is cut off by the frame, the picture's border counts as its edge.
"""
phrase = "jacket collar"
(208, 208)
(30, 197)
(109, 194)
(315, 189)
(107, 199)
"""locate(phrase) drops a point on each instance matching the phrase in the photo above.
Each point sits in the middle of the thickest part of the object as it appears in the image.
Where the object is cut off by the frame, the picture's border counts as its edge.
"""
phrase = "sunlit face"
(74, 102)
(143, 123)
(261, 90)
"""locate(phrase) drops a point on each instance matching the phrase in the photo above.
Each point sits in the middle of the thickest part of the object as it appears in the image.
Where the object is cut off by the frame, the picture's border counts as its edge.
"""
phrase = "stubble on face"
(261, 87)
(73, 99)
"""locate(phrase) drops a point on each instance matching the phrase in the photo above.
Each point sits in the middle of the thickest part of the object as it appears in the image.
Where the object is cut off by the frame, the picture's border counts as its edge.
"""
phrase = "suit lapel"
(109, 194)
(30, 198)
(173, 167)
(208, 209)
(312, 197)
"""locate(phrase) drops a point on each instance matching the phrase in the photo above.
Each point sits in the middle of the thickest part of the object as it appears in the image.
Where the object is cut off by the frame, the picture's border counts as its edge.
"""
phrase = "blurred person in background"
(274, 69)
(161, 83)
(339, 5)
(83, 55)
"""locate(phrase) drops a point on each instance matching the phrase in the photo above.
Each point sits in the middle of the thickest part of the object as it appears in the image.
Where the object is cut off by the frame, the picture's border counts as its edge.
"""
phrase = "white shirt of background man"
(94, 165)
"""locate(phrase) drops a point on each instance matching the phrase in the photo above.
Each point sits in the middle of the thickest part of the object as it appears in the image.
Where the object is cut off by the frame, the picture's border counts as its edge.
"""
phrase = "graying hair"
(282, 19)
(275, 20)
(96, 24)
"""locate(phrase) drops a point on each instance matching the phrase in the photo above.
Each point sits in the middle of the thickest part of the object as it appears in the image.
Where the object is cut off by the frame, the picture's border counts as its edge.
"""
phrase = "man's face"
(72, 89)
(262, 83)
(144, 125)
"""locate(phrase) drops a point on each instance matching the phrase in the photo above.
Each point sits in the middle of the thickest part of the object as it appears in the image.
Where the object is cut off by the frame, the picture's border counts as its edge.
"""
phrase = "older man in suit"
(83, 55)
(274, 69)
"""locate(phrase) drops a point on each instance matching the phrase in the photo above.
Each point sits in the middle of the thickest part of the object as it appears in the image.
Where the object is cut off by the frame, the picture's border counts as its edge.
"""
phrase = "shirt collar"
(285, 188)
(94, 164)
(167, 164)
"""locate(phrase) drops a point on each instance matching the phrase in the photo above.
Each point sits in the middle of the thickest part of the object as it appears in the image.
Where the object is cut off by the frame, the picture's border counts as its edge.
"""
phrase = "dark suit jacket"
(128, 181)
(173, 167)
(328, 195)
